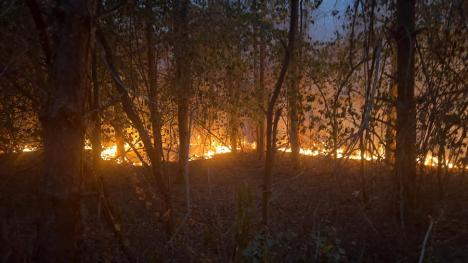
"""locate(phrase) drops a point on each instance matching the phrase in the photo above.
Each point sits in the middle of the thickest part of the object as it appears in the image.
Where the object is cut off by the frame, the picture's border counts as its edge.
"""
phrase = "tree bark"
(64, 130)
(405, 163)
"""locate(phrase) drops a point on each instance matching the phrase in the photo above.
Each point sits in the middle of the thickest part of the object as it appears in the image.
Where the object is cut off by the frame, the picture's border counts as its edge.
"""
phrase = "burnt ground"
(317, 214)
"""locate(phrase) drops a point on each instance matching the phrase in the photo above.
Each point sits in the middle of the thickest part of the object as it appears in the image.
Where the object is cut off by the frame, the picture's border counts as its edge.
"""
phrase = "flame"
(215, 149)
(27, 149)
(434, 161)
(110, 153)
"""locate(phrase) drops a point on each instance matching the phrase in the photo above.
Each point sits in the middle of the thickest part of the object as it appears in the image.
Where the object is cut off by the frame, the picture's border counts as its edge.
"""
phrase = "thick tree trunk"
(64, 136)
(270, 140)
(405, 163)
(294, 98)
(182, 84)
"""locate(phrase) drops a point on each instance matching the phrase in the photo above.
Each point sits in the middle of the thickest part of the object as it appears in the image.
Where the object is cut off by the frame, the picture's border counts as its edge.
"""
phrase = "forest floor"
(317, 214)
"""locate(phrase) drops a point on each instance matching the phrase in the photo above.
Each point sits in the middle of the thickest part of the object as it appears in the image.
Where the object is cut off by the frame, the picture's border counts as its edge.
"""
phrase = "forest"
(233, 131)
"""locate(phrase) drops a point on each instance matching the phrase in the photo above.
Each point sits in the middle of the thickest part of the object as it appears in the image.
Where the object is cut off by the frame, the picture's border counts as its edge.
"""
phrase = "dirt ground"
(317, 214)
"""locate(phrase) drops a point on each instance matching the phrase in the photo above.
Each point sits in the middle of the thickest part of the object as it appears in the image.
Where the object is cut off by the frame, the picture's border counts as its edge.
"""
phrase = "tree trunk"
(270, 140)
(64, 136)
(293, 94)
(132, 114)
(405, 163)
(153, 97)
(391, 119)
(182, 84)
(294, 101)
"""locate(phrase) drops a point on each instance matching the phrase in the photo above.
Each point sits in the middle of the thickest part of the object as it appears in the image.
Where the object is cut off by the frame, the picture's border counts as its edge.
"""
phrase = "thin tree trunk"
(64, 136)
(362, 173)
(132, 114)
(270, 141)
(405, 163)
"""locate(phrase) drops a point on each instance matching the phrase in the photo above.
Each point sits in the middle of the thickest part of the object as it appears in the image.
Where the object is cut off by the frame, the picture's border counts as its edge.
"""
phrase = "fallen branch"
(426, 237)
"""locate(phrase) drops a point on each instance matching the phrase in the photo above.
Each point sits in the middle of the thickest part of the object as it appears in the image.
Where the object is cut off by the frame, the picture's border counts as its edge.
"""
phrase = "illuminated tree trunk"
(270, 139)
(405, 163)
(64, 129)
(182, 84)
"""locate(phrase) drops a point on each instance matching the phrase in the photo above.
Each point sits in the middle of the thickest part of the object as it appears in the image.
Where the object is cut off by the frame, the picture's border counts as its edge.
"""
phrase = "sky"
(325, 24)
